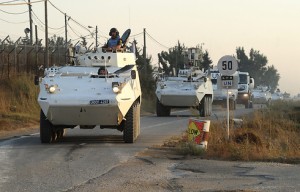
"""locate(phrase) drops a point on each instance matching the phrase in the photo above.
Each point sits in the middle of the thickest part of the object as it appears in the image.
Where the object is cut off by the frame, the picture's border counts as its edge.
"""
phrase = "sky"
(271, 27)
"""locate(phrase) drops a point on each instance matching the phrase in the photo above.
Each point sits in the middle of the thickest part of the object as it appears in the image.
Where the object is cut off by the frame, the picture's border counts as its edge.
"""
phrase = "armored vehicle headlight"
(246, 95)
(116, 87)
(52, 89)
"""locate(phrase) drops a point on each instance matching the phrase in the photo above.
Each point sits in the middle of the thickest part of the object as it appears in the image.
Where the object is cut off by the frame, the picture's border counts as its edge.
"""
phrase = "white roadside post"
(227, 66)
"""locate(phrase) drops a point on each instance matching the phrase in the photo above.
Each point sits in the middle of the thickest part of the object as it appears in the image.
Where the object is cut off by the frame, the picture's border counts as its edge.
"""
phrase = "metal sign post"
(227, 66)
(227, 114)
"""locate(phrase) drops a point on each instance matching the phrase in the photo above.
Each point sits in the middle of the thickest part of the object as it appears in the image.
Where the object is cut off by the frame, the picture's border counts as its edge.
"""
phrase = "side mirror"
(36, 80)
(133, 74)
(205, 79)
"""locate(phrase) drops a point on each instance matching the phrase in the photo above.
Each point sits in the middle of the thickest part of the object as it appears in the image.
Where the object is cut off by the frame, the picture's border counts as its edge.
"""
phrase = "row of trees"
(255, 64)
(174, 58)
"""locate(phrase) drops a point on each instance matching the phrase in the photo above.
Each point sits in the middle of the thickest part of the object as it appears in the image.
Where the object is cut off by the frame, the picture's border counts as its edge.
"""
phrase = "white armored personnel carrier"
(101, 89)
(191, 88)
(221, 91)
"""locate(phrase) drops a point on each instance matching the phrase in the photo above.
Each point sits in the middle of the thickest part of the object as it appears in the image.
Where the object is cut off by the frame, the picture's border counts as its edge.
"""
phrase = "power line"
(157, 41)
(11, 1)
(70, 18)
(74, 31)
(14, 13)
(54, 28)
(14, 22)
(136, 35)
(56, 7)
(25, 3)
(37, 18)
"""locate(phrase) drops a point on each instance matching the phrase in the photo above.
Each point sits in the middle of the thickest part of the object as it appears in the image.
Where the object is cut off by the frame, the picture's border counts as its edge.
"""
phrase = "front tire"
(132, 124)
(46, 129)
(161, 110)
(205, 107)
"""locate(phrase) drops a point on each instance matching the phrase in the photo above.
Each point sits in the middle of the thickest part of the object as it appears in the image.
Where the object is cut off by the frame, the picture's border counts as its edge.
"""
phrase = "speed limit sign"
(227, 65)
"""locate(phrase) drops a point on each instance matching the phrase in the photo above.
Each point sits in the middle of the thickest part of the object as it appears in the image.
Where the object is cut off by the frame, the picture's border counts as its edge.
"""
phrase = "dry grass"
(18, 102)
(268, 135)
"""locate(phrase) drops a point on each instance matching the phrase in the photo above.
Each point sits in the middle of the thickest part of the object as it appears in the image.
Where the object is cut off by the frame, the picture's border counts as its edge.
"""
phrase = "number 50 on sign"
(227, 65)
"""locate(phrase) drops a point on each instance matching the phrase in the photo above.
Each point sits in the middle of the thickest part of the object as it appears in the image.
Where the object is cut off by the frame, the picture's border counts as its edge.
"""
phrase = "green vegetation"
(176, 59)
(18, 102)
(268, 135)
(256, 65)
(147, 82)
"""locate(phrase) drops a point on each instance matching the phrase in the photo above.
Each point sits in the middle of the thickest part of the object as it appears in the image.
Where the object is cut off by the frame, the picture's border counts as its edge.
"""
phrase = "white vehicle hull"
(74, 101)
(178, 92)
(102, 89)
(181, 99)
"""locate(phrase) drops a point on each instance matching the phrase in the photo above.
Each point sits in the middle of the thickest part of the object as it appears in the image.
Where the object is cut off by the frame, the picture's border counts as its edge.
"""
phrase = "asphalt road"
(28, 165)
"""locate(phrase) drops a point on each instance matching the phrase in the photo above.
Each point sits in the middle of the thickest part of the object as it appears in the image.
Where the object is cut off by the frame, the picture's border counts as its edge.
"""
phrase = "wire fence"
(21, 57)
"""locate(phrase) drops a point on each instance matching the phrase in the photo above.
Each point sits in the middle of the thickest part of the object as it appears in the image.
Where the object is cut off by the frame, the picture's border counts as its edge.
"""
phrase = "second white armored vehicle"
(101, 89)
(221, 91)
(191, 88)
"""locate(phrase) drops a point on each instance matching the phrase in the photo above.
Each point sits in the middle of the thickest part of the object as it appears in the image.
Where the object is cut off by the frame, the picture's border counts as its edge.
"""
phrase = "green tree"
(56, 41)
(206, 61)
(271, 78)
(146, 75)
(256, 65)
(177, 58)
(173, 59)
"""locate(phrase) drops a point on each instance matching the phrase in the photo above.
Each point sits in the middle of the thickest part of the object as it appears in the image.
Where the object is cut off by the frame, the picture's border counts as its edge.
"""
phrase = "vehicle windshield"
(214, 76)
(214, 81)
(243, 79)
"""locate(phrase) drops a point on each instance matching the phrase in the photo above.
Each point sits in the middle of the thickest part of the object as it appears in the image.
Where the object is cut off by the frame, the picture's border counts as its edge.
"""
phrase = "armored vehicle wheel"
(205, 107)
(46, 129)
(131, 124)
(209, 106)
(162, 110)
(202, 107)
(138, 120)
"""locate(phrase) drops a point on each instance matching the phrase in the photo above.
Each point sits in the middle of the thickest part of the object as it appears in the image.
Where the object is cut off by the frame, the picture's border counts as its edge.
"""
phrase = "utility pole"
(30, 21)
(66, 30)
(46, 37)
(36, 51)
(66, 38)
(144, 51)
(96, 36)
